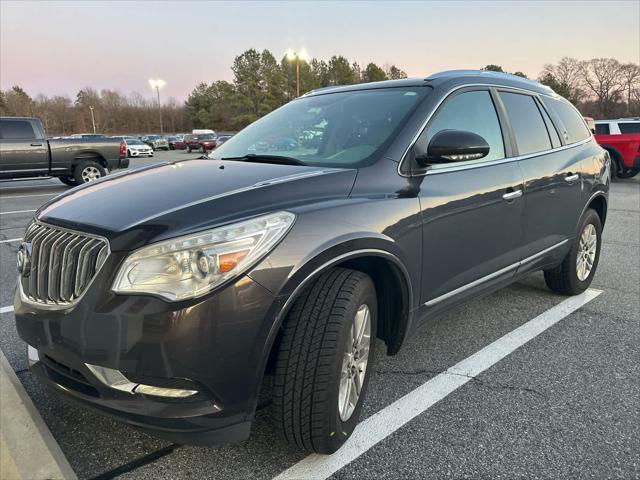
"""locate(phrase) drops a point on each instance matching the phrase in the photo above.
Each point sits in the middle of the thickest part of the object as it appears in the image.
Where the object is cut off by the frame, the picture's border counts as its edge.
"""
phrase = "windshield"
(134, 142)
(338, 129)
(153, 137)
(207, 136)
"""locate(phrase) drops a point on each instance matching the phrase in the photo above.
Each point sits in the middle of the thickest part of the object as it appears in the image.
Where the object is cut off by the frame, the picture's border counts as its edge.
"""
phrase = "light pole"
(93, 120)
(297, 56)
(158, 84)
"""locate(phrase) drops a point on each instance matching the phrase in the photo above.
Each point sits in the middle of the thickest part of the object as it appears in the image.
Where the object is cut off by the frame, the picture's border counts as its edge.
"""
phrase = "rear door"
(552, 177)
(23, 149)
(471, 211)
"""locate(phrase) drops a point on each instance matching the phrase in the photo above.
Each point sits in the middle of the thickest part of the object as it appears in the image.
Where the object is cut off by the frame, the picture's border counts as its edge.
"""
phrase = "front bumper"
(213, 346)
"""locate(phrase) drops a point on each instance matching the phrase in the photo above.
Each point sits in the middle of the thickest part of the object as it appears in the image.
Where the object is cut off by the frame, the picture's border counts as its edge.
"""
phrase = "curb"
(27, 448)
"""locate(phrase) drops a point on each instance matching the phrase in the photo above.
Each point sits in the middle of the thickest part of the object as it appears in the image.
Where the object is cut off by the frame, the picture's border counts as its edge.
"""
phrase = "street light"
(158, 84)
(93, 120)
(297, 56)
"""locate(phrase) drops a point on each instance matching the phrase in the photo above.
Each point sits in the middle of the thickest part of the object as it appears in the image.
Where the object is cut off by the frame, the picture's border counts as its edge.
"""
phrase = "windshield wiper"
(259, 158)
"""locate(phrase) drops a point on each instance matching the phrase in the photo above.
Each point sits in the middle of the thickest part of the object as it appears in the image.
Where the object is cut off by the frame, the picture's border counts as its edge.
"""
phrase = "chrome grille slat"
(63, 264)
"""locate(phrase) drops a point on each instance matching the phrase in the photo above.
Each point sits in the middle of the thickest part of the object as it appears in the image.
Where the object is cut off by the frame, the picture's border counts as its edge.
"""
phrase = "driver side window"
(472, 111)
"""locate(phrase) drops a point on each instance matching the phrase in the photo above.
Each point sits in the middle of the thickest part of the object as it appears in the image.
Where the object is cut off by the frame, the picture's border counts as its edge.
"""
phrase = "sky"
(60, 47)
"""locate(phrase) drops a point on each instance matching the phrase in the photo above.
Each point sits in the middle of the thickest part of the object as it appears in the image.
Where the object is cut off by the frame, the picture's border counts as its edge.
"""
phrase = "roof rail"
(487, 73)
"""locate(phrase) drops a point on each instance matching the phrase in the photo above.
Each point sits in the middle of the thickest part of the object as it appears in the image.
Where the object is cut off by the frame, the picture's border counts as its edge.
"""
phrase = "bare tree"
(568, 73)
(603, 78)
(630, 76)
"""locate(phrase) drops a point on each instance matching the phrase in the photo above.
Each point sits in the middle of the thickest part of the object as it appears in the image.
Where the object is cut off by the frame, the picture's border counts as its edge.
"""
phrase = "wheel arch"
(90, 155)
(393, 288)
(598, 202)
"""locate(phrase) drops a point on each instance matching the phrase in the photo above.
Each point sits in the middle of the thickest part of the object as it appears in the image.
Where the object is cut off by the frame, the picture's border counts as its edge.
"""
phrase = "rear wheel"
(68, 181)
(88, 171)
(575, 273)
(188, 149)
(325, 360)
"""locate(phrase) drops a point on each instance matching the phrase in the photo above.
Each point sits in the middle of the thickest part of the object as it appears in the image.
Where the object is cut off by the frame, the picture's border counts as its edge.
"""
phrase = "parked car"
(222, 138)
(202, 142)
(621, 138)
(156, 142)
(25, 151)
(137, 148)
(88, 135)
(176, 143)
(421, 194)
(201, 131)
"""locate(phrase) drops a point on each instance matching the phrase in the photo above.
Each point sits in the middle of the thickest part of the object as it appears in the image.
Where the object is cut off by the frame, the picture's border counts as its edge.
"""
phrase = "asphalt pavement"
(566, 404)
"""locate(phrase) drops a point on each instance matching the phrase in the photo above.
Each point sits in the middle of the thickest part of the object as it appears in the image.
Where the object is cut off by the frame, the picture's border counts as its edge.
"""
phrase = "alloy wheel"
(90, 173)
(586, 252)
(354, 363)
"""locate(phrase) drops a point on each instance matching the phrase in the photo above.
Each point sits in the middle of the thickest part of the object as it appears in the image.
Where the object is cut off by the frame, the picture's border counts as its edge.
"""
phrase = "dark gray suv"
(351, 213)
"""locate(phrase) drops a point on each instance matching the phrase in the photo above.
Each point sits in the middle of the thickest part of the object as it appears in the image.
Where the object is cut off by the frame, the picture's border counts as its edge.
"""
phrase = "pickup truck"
(25, 152)
(621, 138)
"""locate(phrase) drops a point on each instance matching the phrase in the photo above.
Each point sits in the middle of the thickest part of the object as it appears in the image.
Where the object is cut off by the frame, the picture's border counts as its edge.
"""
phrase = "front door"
(23, 151)
(471, 211)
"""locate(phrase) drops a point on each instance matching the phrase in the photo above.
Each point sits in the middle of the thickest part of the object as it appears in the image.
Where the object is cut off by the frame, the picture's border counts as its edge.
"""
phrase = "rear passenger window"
(470, 111)
(575, 128)
(629, 127)
(526, 122)
(16, 130)
(602, 129)
(553, 133)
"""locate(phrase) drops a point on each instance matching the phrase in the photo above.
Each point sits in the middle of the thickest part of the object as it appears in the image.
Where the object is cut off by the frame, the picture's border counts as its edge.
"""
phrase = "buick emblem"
(24, 259)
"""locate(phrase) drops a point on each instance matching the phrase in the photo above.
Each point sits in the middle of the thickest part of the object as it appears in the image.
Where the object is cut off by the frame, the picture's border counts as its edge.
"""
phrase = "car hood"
(135, 207)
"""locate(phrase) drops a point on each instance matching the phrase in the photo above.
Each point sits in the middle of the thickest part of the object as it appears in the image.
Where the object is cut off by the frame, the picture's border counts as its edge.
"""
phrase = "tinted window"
(571, 119)
(470, 111)
(602, 129)
(553, 133)
(341, 129)
(526, 122)
(16, 130)
(629, 127)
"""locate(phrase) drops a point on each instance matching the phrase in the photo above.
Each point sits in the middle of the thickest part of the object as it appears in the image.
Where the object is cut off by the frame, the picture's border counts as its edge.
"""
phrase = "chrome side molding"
(475, 283)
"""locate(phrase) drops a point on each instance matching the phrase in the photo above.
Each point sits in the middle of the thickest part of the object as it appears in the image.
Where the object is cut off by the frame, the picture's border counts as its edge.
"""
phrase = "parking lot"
(565, 404)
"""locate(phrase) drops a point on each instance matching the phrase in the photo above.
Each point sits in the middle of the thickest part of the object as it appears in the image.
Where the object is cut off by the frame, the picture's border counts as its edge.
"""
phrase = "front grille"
(62, 264)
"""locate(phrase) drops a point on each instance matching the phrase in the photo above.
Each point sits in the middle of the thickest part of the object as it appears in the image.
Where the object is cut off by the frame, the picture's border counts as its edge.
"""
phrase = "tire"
(312, 361)
(88, 171)
(128, 153)
(628, 172)
(188, 149)
(68, 181)
(568, 278)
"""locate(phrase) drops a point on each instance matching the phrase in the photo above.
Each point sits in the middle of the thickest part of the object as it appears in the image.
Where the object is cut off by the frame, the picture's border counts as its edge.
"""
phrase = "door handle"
(36, 144)
(571, 178)
(512, 195)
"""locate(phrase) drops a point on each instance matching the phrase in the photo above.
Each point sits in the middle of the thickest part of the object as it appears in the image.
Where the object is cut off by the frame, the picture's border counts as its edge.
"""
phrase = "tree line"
(112, 111)
(600, 87)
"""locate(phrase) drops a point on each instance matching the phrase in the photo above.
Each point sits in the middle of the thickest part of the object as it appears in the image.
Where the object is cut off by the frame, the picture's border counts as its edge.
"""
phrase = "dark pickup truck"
(26, 152)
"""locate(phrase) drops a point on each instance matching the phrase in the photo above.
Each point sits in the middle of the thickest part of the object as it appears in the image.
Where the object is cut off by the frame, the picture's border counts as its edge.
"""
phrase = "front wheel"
(68, 181)
(325, 360)
(88, 171)
(575, 273)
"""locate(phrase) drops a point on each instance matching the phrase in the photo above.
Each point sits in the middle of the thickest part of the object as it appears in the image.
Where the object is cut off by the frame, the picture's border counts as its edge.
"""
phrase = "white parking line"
(26, 196)
(9, 240)
(17, 211)
(6, 309)
(383, 423)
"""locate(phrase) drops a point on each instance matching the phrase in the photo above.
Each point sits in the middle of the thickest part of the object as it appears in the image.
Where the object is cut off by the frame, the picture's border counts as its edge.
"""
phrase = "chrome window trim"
(486, 278)
(469, 166)
(66, 305)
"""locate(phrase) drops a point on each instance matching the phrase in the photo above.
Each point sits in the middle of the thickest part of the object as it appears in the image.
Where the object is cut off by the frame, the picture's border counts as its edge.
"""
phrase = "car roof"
(446, 79)
(616, 120)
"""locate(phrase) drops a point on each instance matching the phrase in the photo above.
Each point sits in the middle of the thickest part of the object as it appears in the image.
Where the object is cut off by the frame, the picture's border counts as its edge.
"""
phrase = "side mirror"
(454, 146)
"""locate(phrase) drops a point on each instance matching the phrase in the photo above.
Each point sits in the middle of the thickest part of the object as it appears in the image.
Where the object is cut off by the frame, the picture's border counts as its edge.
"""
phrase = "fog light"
(164, 392)
(116, 380)
(32, 355)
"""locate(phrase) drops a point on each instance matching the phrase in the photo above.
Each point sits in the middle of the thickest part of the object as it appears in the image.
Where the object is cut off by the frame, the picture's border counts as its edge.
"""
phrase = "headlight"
(190, 266)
